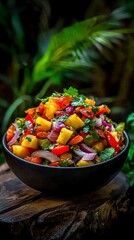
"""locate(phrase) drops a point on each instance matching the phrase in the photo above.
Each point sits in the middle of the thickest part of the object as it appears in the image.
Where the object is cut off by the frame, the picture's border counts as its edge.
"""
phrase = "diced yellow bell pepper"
(82, 163)
(74, 121)
(20, 151)
(30, 141)
(64, 136)
(43, 124)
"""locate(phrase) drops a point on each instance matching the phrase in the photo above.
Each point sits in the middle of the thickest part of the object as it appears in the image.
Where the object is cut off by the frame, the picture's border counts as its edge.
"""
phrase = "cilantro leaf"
(71, 92)
(79, 101)
(107, 154)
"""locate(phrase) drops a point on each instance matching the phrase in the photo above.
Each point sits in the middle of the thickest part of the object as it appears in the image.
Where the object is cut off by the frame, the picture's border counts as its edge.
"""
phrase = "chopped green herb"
(45, 144)
(43, 100)
(107, 153)
(70, 92)
(46, 162)
(79, 101)
(29, 139)
(64, 163)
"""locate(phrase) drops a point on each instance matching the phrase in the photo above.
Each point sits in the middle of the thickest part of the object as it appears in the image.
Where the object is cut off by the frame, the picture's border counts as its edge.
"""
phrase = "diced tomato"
(112, 141)
(64, 102)
(103, 109)
(100, 132)
(33, 159)
(10, 132)
(75, 140)
(83, 134)
(59, 113)
(41, 134)
(54, 164)
(87, 112)
(60, 149)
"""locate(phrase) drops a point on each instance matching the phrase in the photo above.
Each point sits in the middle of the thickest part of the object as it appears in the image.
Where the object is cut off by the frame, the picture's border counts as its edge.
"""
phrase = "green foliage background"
(43, 49)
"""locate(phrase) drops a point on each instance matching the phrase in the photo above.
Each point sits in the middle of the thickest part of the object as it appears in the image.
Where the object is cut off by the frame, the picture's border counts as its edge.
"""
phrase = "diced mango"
(20, 151)
(50, 108)
(82, 163)
(98, 146)
(64, 136)
(30, 141)
(43, 124)
(90, 101)
(74, 121)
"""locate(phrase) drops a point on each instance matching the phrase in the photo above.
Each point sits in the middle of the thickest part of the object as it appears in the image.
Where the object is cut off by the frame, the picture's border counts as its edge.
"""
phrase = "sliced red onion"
(102, 116)
(14, 138)
(89, 156)
(57, 126)
(86, 149)
(52, 136)
(98, 122)
(45, 154)
(79, 152)
(70, 110)
(108, 125)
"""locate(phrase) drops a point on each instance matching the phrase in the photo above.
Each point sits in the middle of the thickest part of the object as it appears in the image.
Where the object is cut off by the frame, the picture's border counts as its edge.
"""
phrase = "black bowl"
(66, 180)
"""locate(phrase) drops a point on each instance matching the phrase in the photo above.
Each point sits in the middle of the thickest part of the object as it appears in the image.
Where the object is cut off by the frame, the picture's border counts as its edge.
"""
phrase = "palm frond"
(66, 50)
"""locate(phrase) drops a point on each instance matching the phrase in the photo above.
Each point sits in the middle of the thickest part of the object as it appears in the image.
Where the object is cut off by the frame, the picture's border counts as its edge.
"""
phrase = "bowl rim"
(127, 143)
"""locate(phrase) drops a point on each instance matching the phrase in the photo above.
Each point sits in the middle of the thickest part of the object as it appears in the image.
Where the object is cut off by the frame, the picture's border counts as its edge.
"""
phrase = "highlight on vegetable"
(66, 130)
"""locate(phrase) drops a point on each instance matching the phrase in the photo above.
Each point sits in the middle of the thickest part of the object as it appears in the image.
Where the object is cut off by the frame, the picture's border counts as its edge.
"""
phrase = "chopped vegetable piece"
(60, 149)
(112, 141)
(43, 124)
(64, 136)
(30, 141)
(74, 121)
(77, 139)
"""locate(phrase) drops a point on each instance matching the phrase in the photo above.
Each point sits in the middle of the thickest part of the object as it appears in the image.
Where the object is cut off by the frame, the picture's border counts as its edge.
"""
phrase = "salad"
(66, 130)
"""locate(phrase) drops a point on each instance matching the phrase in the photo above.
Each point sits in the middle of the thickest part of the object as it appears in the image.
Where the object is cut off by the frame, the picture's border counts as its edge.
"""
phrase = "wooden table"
(26, 214)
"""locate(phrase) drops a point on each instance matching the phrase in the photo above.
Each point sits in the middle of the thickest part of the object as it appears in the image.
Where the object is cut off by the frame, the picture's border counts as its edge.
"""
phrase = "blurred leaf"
(68, 53)
(130, 119)
(13, 107)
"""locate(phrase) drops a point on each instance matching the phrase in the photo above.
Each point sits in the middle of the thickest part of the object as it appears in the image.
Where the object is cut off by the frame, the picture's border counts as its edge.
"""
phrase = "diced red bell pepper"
(103, 109)
(60, 149)
(75, 140)
(112, 141)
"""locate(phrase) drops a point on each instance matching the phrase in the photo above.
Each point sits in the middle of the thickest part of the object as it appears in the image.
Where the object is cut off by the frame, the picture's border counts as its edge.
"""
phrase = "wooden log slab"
(27, 214)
